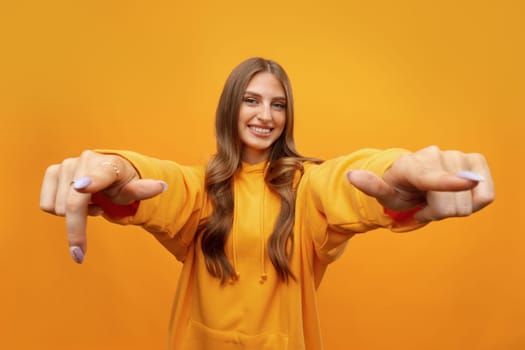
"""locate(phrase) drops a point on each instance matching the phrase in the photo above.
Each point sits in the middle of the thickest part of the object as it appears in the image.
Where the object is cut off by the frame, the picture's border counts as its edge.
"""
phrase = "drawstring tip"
(235, 278)
(263, 278)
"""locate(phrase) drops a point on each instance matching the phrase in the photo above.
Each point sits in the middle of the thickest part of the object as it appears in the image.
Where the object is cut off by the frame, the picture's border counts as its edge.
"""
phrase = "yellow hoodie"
(255, 312)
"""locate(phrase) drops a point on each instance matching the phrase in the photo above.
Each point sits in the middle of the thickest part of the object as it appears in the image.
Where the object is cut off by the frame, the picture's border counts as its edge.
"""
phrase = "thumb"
(374, 186)
(126, 202)
(371, 184)
(137, 190)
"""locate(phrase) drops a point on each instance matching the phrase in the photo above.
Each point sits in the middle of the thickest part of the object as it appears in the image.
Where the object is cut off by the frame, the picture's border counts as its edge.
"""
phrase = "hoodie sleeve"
(173, 216)
(332, 210)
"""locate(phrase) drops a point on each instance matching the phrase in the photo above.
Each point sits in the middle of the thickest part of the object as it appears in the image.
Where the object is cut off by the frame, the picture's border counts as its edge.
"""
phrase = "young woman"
(258, 226)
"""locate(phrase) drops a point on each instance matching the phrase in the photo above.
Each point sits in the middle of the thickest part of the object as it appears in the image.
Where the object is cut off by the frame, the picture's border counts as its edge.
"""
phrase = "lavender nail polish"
(77, 254)
(164, 186)
(81, 182)
(470, 175)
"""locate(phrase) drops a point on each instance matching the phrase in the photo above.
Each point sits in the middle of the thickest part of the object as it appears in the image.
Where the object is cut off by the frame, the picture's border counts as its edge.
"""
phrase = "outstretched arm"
(443, 183)
(67, 190)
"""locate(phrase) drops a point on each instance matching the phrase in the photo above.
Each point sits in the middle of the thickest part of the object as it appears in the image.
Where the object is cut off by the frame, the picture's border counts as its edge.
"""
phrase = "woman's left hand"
(444, 183)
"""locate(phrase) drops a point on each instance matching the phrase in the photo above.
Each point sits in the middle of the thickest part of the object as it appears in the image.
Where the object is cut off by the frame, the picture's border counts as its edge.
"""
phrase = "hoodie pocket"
(200, 337)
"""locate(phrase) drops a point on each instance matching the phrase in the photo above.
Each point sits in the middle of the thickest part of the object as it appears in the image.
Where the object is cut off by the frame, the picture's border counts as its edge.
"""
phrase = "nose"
(265, 114)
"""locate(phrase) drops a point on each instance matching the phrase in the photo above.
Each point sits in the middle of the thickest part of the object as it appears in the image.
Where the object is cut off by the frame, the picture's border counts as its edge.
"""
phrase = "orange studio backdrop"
(146, 75)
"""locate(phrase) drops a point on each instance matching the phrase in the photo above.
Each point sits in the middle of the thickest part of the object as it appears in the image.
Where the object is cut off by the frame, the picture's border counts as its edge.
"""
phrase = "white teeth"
(260, 130)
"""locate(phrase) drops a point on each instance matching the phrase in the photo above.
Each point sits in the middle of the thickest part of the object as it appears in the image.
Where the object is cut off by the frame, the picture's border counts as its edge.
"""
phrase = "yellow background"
(146, 75)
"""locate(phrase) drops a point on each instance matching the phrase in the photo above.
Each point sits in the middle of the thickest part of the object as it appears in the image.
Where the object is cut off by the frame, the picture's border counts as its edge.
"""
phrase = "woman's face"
(262, 116)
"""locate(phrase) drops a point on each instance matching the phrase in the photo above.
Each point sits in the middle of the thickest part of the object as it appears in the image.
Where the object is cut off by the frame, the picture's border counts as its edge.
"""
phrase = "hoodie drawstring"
(262, 268)
(264, 276)
(234, 242)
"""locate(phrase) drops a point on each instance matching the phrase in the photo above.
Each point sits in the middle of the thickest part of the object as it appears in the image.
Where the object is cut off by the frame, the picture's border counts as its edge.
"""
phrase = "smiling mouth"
(260, 130)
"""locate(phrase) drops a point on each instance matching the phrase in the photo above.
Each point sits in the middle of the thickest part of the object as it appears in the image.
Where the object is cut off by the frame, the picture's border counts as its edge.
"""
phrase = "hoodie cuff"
(402, 217)
(114, 211)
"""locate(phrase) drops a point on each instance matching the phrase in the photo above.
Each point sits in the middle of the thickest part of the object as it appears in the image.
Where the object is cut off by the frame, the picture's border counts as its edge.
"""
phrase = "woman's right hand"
(67, 189)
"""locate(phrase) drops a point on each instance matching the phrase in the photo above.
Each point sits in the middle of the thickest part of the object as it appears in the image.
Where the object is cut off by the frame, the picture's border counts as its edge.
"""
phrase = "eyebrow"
(259, 95)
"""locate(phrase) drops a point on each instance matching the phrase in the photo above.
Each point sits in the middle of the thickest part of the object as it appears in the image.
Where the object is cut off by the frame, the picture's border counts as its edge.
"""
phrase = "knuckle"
(453, 154)
(76, 238)
(52, 170)
(73, 206)
(430, 153)
(446, 212)
(51, 207)
(463, 210)
(59, 211)
(433, 149)
(403, 161)
(69, 163)
(405, 158)
(483, 200)
(47, 207)
(477, 156)
(86, 153)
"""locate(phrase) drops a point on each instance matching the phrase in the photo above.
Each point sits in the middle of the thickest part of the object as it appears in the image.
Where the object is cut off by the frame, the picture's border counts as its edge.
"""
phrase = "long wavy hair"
(284, 163)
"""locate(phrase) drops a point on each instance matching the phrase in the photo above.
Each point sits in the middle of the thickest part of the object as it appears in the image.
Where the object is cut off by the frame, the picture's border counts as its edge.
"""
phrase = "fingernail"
(164, 186)
(77, 254)
(470, 175)
(81, 182)
(348, 174)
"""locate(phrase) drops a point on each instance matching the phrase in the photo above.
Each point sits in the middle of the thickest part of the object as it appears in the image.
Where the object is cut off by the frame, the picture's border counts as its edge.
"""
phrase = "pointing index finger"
(76, 223)
(95, 172)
